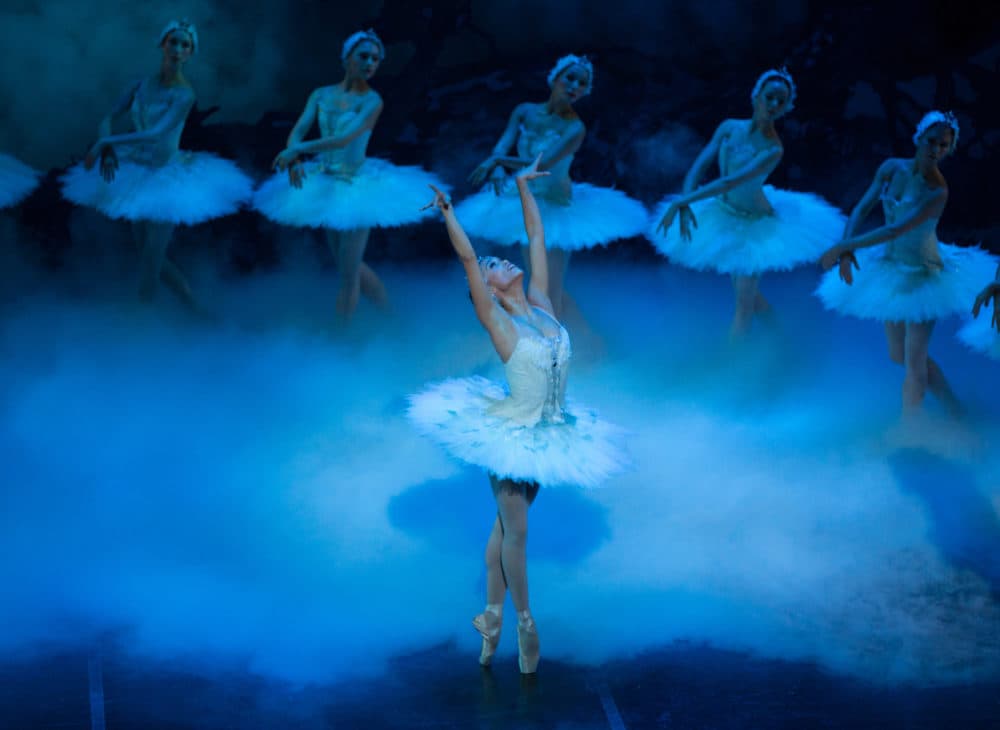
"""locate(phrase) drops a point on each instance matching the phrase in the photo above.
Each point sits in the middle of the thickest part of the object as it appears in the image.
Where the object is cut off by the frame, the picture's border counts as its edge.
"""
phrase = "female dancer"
(911, 280)
(576, 215)
(17, 180)
(984, 334)
(144, 176)
(342, 191)
(744, 227)
(525, 436)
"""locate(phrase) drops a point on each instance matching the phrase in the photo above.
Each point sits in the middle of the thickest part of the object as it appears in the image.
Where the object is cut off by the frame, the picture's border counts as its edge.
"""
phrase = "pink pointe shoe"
(527, 643)
(488, 625)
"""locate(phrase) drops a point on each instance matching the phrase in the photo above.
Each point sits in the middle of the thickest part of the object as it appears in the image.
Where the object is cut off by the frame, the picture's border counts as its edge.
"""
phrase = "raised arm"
(538, 287)
(496, 322)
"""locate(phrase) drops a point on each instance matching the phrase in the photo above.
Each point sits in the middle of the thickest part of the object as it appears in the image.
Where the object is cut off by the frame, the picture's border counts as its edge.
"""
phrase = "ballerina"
(745, 228)
(342, 190)
(525, 436)
(984, 334)
(576, 215)
(144, 176)
(911, 280)
(17, 181)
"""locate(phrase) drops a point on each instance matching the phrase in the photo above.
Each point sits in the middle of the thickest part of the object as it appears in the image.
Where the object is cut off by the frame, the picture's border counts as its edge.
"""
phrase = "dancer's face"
(363, 60)
(935, 144)
(572, 83)
(499, 273)
(177, 47)
(771, 101)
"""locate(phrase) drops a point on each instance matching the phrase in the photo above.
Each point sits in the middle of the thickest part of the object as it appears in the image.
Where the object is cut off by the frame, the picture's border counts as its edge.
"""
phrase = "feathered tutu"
(979, 335)
(16, 181)
(887, 290)
(593, 216)
(191, 188)
(802, 228)
(583, 450)
(378, 194)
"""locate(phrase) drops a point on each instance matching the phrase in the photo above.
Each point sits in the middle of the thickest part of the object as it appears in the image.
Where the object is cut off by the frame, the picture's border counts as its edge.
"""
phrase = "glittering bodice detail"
(536, 376)
(147, 109)
(556, 185)
(916, 247)
(343, 162)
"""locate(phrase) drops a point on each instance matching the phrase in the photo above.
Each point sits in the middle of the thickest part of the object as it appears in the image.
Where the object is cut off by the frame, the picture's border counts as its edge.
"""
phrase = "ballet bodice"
(747, 199)
(916, 247)
(536, 377)
(556, 186)
(148, 107)
(333, 121)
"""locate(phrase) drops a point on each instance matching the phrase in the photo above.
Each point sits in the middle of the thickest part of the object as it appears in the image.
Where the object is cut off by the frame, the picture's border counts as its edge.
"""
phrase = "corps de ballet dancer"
(525, 435)
(577, 215)
(144, 177)
(341, 190)
(906, 278)
(983, 333)
(17, 181)
(736, 224)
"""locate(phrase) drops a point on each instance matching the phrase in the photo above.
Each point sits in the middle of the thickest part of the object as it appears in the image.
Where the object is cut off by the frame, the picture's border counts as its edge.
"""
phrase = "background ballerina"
(736, 225)
(17, 181)
(524, 436)
(576, 215)
(910, 280)
(983, 333)
(145, 178)
(342, 190)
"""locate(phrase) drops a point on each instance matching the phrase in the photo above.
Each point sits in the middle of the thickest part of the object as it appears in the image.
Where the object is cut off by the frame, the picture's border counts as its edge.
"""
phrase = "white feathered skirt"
(16, 181)
(377, 194)
(594, 216)
(583, 451)
(802, 228)
(887, 290)
(193, 187)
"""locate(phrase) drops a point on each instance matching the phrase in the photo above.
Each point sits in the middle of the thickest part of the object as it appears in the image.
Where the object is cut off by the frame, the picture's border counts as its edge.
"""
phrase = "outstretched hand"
(531, 171)
(441, 201)
(992, 291)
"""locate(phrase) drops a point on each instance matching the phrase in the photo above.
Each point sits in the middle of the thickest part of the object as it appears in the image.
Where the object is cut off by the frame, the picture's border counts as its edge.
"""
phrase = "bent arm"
(538, 288)
(871, 197)
(121, 106)
(363, 122)
(180, 106)
(305, 121)
(760, 165)
(567, 145)
(931, 207)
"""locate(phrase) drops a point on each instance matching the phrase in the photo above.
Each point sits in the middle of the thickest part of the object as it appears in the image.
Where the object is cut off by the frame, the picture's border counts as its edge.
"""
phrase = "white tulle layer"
(802, 228)
(379, 194)
(16, 181)
(980, 335)
(192, 188)
(888, 291)
(584, 451)
(593, 217)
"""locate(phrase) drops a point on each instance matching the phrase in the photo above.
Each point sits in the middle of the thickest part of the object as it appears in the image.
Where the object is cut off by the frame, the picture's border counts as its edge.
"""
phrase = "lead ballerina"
(526, 435)
(745, 228)
(342, 190)
(146, 178)
(906, 277)
(577, 215)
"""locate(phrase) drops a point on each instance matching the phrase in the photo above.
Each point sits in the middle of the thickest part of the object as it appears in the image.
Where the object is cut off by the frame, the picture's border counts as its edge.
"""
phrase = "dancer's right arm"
(706, 158)
(121, 106)
(490, 168)
(490, 314)
(870, 198)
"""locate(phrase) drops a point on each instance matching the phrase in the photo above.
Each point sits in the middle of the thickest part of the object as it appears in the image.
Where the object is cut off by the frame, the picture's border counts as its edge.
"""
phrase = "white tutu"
(191, 188)
(582, 451)
(594, 216)
(980, 335)
(889, 291)
(802, 228)
(378, 194)
(16, 181)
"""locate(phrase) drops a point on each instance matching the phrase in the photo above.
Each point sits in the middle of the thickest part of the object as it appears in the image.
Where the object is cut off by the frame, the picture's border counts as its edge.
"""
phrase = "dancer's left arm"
(538, 287)
(567, 145)
(365, 120)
